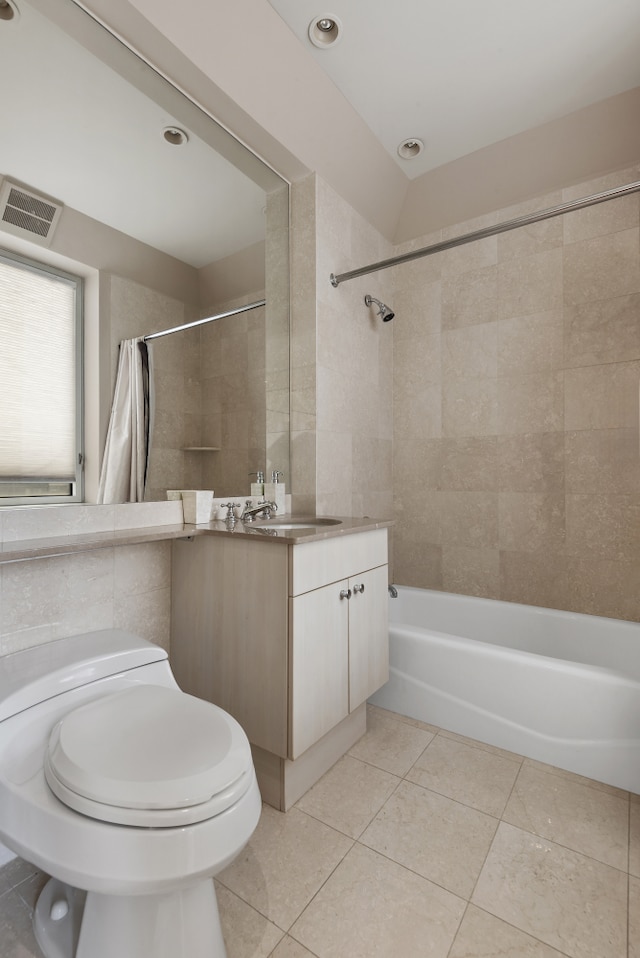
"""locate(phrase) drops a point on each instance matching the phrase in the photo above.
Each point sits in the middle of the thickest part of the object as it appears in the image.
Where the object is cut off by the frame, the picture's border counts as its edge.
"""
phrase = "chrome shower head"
(384, 312)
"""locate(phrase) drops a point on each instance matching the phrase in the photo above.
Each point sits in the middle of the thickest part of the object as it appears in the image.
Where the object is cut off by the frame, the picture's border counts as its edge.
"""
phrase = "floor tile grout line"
(412, 871)
(529, 934)
(568, 848)
(357, 837)
(462, 918)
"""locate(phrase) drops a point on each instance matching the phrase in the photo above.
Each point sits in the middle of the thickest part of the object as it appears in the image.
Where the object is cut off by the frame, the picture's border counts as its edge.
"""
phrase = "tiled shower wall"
(341, 361)
(516, 396)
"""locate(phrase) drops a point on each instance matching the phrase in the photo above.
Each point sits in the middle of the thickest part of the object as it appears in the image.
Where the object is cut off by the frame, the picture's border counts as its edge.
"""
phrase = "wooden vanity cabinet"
(260, 629)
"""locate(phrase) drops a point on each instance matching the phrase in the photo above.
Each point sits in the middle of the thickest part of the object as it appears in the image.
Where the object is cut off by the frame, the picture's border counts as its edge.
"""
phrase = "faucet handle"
(230, 506)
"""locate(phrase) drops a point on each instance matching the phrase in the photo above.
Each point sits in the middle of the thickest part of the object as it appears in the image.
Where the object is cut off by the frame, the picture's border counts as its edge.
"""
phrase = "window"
(41, 450)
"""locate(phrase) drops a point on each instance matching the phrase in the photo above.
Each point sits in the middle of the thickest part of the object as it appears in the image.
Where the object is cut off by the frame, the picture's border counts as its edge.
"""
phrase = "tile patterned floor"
(422, 844)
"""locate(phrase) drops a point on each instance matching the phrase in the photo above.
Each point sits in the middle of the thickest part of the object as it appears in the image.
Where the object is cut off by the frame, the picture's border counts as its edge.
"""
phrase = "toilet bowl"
(131, 794)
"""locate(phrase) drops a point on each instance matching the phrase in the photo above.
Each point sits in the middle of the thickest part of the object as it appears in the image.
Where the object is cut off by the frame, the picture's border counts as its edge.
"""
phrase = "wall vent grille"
(28, 214)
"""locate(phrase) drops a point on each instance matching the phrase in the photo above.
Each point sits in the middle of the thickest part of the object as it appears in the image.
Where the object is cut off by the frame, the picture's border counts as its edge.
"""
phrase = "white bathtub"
(559, 687)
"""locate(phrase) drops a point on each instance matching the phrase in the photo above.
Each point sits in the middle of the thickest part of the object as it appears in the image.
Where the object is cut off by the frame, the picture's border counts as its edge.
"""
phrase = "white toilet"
(129, 792)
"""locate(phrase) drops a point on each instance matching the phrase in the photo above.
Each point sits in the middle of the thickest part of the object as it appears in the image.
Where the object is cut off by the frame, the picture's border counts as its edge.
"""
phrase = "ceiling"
(461, 75)
(76, 128)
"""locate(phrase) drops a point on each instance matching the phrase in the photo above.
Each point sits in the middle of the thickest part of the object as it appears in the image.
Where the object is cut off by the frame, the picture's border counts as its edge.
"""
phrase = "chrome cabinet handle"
(345, 593)
(358, 588)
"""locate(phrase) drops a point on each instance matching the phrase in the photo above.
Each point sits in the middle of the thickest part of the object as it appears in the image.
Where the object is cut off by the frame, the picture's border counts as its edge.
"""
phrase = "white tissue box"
(196, 505)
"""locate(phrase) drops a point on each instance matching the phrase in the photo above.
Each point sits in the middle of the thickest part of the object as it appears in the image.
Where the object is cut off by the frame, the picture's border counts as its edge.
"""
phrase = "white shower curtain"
(126, 454)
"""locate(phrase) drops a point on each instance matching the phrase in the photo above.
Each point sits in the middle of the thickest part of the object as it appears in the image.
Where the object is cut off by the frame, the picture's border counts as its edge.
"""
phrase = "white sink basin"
(296, 522)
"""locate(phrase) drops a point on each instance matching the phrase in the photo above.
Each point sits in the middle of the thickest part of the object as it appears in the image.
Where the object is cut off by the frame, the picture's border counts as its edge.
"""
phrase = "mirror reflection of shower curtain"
(126, 455)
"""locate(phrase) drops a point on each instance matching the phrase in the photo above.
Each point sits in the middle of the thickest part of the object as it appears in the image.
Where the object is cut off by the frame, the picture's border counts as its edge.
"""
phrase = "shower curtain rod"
(488, 231)
(208, 319)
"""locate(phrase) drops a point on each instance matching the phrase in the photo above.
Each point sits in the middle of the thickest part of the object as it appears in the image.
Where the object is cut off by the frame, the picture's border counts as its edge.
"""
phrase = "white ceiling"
(462, 75)
(75, 129)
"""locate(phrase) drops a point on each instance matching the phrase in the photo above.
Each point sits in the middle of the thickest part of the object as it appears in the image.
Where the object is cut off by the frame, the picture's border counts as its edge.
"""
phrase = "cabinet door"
(319, 659)
(368, 634)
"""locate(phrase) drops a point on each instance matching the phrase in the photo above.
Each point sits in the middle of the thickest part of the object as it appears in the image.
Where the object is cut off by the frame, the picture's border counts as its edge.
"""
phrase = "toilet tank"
(35, 675)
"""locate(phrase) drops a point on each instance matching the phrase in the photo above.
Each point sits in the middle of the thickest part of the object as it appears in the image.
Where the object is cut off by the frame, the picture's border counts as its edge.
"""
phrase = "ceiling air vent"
(28, 214)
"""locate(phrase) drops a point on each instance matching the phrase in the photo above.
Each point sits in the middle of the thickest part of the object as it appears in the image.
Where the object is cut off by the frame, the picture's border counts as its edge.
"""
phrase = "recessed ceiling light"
(325, 31)
(8, 10)
(175, 136)
(410, 148)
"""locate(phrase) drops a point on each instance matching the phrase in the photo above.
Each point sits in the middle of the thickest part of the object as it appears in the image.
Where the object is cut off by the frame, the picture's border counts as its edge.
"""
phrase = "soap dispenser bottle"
(257, 487)
(274, 491)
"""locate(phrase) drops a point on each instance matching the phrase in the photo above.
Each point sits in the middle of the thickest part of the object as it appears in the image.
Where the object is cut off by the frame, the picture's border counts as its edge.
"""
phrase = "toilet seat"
(149, 756)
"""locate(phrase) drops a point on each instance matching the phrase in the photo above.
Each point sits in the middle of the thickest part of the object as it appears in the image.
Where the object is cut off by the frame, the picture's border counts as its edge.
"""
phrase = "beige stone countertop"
(265, 530)
(259, 531)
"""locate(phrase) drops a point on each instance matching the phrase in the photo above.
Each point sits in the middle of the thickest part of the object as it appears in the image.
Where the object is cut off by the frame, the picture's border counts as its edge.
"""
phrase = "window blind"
(37, 374)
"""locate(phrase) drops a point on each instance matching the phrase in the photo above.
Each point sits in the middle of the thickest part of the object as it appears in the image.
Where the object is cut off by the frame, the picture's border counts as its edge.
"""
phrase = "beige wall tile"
(603, 461)
(419, 359)
(417, 462)
(418, 309)
(531, 522)
(469, 519)
(470, 352)
(533, 462)
(469, 464)
(58, 592)
(530, 402)
(529, 344)
(602, 397)
(603, 587)
(470, 298)
(37, 522)
(471, 571)
(335, 465)
(534, 579)
(421, 271)
(418, 517)
(530, 284)
(603, 526)
(147, 615)
(600, 268)
(418, 564)
(142, 568)
(417, 412)
(604, 331)
(469, 407)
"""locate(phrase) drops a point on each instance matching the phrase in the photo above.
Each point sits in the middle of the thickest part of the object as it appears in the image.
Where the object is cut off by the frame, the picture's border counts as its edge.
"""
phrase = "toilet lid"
(148, 749)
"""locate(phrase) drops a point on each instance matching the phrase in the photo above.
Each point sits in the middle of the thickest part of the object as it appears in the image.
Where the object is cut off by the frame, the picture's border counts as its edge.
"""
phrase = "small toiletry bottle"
(257, 487)
(274, 491)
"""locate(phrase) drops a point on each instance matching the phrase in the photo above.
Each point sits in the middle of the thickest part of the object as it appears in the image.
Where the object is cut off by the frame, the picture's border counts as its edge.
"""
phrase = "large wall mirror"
(176, 220)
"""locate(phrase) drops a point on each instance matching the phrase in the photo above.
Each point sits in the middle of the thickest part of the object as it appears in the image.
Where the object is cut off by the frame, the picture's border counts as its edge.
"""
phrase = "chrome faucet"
(262, 509)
